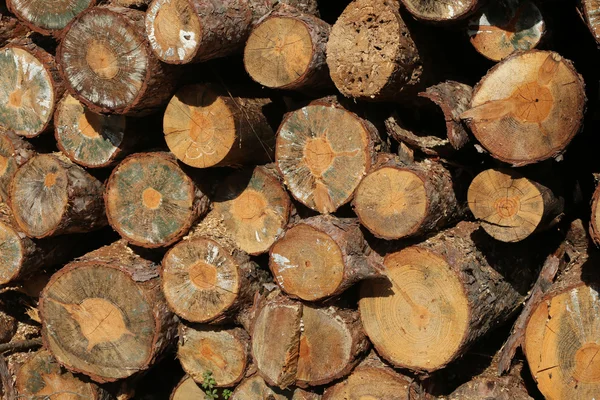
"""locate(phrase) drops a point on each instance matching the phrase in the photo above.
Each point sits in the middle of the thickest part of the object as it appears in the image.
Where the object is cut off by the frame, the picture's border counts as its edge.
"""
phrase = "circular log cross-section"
(370, 52)
(323, 152)
(591, 14)
(510, 206)
(41, 377)
(506, 26)
(49, 196)
(30, 88)
(14, 152)
(187, 389)
(428, 313)
(223, 352)
(561, 343)
(320, 257)
(151, 202)
(436, 11)
(191, 31)
(528, 107)
(255, 388)
(48, 18)
(205, 129)
(89, 139)
(205, 282)
(107, 63)
(395, 200)
(254, 209)
(287, 51)
(104, 314)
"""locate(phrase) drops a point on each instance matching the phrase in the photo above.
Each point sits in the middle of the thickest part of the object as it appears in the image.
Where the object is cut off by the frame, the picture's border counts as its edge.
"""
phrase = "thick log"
(255, 388)
(31, 85)
(251, 208)
(441, 11)
(205, 126)
(187, 389)
(371, 54)
(321, 257)
(89, 139)
(595, 217)
(21, 257)
(314, 345)
(286, 50)
(562, 335)
(208, 281)
(42, 377)
(527, 108)
(48, 20)
(323, 151)
(506, 26)
(107, 63)
(151, 202)
(512, 207)
(225, 353)
(442, 295)
(14, 152)
(50, 196)
(397, 200)
(10, 29)
(372, 379)
(590, 10)
(105, 316)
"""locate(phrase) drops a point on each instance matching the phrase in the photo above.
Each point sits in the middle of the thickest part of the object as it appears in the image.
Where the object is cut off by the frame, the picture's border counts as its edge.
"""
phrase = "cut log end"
(367, 383)
(528, 107)
(436, 11)
(595, 217)
(370, 52)
(561, 344)
(28, 94)
(591, 13)
(423, 303)
(223, 352)
(391, 202)
(39, 17)
(88, 139)
(254, 208)
(505, 27)
(11, 253)
(255, 388)
(187, 389)
(201, 280)
(152, 188)
(307, 263)
(509, 206)
(174, 30)
(323, 153)
(14, 152)
(99, 321)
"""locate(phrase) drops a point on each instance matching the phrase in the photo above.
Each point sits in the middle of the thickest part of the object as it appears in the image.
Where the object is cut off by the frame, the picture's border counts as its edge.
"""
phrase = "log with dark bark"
(251, 208)
(208, 281)
(205, 126)
(590, 10)
(14, 152)
(453, 98)
(45, 19)
(105, 316)
(595, 217)
(442, 295)
(21, 257)
(8, 327)
(441, 11)
(89, 139)
(371, 54)
(222, 352)
(49, 196)
(151, 202)
(10, 29)
(31, 85)
(323, 151)
(107, 63)
(396, 200)
(313, 346)
(321, 257)
(528, 107)
(503, 27)
(286, 50)
(512, 207)
(42, 377)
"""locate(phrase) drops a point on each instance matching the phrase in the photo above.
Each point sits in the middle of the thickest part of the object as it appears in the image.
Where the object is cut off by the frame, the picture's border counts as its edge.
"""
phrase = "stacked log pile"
(299, 199)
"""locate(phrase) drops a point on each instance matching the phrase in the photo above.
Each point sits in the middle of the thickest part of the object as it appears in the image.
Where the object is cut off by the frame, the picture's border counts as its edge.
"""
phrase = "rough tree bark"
(591, 13)
(104, 314)
(14, 152)
(10, 29)
(441, 11)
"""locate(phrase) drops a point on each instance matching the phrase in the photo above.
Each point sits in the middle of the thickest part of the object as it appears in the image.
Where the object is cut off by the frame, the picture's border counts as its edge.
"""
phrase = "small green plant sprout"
(208, 384)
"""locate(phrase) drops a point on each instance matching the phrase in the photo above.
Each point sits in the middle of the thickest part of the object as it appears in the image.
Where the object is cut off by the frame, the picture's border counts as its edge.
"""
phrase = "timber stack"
(299, 199)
